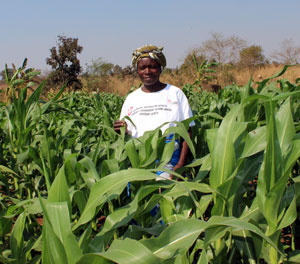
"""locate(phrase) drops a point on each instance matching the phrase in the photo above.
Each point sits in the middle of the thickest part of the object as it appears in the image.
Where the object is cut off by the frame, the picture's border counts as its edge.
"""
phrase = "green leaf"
(53, 251)
(183, 133)
(167, 208)
(244, 244)
(203, 258)
(132, 153)
(59, 218)
(110, 186)
(93, 259)
(238, 225)
(294, 257)
(255, 142)
(88, 171)
(211, 135)
(129, 251)
(5, 225)
(184, 188)
(289, 216)
(176, 238)
(262, 84)
(5, 169)
(214, 233)
(125, 251)
(223, 155)
(167, 153)
(80, 200)
(285, 126)
(292, 156)
(271, 171)
(204, 170)
(34, 97)
(85, 239)
(120, 216)
(59, 191)
(274, 173)
(17, 238)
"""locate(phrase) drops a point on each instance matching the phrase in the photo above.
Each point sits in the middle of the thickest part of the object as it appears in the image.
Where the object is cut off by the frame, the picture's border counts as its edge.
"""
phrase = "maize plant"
(72, 190)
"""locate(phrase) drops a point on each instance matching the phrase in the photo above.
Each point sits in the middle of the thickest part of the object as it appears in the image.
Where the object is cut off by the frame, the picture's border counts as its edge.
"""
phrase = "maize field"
(72, 190)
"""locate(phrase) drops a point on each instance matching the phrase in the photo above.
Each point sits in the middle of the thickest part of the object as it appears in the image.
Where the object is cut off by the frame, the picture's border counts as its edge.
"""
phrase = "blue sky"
(112, 29)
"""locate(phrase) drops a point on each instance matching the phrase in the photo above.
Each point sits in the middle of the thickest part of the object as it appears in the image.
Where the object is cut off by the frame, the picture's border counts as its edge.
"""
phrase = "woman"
(154, 103)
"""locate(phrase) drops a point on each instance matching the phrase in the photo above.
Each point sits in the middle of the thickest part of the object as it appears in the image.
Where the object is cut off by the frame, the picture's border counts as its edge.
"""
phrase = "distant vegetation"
(233, 60)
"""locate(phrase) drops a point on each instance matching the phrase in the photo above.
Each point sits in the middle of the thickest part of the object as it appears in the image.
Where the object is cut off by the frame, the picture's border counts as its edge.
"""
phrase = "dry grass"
(115, 84)
(242, 76)
(2, 91)
(123, 86)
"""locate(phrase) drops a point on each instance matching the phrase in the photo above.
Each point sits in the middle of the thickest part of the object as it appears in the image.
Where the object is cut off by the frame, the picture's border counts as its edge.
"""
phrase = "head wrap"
(149, 51)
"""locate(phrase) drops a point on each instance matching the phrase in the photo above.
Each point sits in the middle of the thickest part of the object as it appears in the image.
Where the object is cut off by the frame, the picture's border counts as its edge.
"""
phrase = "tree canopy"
(288, 53)
(222, 49)
(252, 56)
(64, 62)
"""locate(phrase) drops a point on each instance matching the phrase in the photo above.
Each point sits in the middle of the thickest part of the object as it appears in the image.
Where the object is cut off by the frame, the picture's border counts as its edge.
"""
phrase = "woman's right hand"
(118, 124)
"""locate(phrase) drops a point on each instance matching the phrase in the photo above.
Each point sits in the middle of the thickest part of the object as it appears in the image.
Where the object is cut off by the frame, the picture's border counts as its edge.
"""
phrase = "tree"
(289, 53)
(129, 70)
(117, 70)
(64, 62)
(252, 56)
(188, 65)
(222, 49)
(99, 67)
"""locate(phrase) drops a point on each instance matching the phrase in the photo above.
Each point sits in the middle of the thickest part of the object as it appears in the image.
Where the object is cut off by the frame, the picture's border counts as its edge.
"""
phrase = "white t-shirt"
(150, 110)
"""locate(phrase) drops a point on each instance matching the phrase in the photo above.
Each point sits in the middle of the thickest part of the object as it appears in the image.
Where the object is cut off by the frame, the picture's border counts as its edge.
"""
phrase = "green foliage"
(9, 72)
(64, 63)
(230, 204)
(251, 56)
(99, 68)
(188, 66)
(17, 79)
(98, 73)
(204, 71)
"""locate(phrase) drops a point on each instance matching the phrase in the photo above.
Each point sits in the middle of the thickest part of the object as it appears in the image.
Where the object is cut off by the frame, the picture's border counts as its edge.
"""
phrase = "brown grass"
(242, 76)
(2, 91)
(115, 84)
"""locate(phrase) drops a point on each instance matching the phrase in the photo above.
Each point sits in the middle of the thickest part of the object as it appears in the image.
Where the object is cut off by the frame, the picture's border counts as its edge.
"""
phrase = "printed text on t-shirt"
(148, 110)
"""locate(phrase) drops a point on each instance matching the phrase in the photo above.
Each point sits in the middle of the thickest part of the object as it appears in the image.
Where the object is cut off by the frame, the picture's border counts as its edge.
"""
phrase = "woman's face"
(148, 71)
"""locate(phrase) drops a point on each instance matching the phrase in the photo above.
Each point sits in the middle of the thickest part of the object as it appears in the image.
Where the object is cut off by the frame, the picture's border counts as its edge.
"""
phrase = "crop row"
(75, 191)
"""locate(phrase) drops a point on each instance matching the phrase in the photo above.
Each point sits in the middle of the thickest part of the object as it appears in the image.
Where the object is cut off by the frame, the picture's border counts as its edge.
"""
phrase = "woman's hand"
(177, 166)
(118, 124)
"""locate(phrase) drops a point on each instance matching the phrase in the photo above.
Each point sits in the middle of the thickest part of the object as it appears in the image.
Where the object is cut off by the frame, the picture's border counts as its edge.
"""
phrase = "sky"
(113, 29)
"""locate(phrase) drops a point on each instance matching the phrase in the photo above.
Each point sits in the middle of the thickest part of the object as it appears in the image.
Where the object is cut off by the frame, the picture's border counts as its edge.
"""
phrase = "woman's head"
(149, 72)
(149, 51)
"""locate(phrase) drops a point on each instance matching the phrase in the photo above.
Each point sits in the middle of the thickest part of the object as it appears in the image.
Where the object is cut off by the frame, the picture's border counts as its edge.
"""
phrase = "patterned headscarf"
(150, 51)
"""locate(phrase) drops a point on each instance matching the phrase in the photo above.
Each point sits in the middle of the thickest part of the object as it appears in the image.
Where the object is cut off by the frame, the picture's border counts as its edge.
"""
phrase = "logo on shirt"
(173, 103)
(130, 110)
